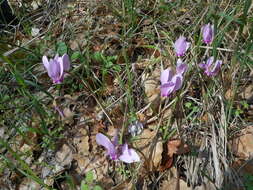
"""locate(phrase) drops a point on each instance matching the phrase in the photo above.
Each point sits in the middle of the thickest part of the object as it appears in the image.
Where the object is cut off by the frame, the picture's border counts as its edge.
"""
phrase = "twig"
(221, 49)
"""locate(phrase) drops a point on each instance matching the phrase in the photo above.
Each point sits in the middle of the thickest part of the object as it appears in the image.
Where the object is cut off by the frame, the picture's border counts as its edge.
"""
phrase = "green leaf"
(75, 55)
(97, 187)
(117, 68)
(61, 48)
(98, 57)
(89, 177)
(84, 186)
(188, 104)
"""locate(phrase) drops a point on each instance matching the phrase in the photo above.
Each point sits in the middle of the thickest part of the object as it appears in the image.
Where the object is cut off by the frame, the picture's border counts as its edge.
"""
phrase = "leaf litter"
(82, 118)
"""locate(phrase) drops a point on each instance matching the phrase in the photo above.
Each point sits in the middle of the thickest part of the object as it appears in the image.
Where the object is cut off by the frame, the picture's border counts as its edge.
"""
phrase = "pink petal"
(209, 61)
(202, 65)
(56, 56)
(45, 62)
(60, 62)
(105, 142)
(54, 70)
(188, 45)
(129, 155)
(181, 45)
(166, 76)
(167, 89)
(211, 70)
(216, 68)
(208, 33)
(66, 62)
(177, 81)
(115, 139)
(181, 67)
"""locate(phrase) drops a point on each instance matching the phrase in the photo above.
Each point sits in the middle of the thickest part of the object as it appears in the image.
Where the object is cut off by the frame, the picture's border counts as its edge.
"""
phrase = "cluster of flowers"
(170, 82)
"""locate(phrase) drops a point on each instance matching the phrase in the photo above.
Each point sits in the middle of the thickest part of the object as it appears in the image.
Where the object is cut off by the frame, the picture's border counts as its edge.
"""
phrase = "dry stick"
(221, 49)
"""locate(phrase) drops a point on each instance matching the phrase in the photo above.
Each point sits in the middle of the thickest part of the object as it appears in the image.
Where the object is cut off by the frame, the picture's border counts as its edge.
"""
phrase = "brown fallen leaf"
(171, 148)
(177, 147)
(157, 154)
(28, 184)
(64, 156)
(167, 163)
(242, 146)
(173, 181)
(152, 89)
(247, 93)
(81, 142)
(243, 166)
(125, 185)
(175, 184)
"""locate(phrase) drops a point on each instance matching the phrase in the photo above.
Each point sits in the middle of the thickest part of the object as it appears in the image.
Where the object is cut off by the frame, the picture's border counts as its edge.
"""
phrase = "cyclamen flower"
(116, 151)
(181, 46)
(210, 68)
(56, 67)
(208, 33)
(172, 82)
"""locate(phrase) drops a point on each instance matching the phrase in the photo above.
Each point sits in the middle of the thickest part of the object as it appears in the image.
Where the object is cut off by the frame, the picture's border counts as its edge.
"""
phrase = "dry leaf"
(29, 184)
(68, 115)
(243, 166)
(242, 146)
(157, 154)
(247, 93)
(125, 185)
(151, 85)
(173, 182)
(174, 147)
(150, 149)
(49, 181)
(177, 147)
(229, 94)
(64, 156)
(81, 141)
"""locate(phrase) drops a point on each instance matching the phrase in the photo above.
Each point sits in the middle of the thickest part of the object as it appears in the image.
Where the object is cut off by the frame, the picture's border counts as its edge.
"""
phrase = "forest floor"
(197, 136)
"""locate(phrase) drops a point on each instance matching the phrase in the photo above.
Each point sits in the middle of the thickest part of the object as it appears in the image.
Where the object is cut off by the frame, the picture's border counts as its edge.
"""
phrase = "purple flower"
(172, 82)
(56, 67)
(181, 46)
(116, 151)
(210, 68)
(181, 67)
(208, 33)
